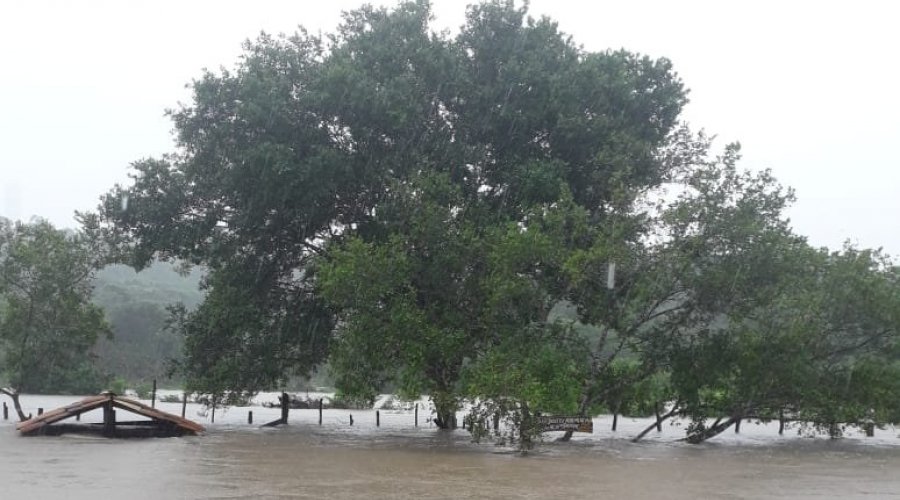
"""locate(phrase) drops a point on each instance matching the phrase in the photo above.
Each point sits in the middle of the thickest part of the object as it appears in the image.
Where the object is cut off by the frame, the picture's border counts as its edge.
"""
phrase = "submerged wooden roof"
(91, 403)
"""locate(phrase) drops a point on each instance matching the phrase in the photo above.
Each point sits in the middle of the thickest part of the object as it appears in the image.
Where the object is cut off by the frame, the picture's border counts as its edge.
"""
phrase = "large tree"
(48, 324)
(386, 141)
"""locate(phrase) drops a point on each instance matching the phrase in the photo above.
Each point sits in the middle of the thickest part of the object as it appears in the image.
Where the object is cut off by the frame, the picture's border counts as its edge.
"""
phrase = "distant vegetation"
(142, 347)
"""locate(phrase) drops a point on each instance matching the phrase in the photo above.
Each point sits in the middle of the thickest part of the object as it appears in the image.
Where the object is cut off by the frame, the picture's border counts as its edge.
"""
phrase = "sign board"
(576, 424)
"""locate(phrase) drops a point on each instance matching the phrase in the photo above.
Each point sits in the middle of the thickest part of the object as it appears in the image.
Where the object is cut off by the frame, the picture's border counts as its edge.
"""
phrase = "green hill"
(135, 304)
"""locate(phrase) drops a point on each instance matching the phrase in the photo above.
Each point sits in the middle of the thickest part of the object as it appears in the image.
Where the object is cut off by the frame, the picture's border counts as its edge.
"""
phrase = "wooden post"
(320, 412)
(496, 421)
(213, 410)
(351, 420)
(112, 421)
(40, 411)
(285, 406)
(416, 418)
(250, 417)
(109, 419)
(658, 419)
(737, 426)
(184, 397)
(377, 418)
(78, 417)
(153, 396)
(5, 411)
(615, 421)
(781, 422)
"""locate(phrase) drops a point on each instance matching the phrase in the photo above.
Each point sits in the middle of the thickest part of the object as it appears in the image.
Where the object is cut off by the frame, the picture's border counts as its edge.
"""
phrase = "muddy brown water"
(397, 460)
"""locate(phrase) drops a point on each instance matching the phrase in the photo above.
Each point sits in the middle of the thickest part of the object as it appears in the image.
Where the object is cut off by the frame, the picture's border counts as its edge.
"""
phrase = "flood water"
(397, 460)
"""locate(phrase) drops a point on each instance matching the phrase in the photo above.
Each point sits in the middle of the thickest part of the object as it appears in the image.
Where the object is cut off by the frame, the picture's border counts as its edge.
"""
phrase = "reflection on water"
(397, 460)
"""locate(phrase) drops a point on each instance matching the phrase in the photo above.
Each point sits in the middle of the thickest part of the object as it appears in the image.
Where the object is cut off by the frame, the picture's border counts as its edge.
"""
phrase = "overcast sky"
(808, 88)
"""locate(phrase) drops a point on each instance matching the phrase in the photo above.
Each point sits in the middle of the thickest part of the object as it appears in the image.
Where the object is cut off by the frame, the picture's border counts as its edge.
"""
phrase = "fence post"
(5, 411)
(40, 411)
(184, 396)
(417, 413)
(351, 420)
(285, 406)
(153, 400)
(377, 418)
(320, 412)
(250, 417)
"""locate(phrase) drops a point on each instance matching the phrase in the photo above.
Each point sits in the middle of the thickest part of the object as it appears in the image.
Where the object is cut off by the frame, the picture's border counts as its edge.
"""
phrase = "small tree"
(47, 322)
(535, 373)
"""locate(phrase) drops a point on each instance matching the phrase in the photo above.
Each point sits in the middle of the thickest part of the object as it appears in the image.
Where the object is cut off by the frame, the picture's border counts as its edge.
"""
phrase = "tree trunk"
(14, 395)
(445, 420)
(445, 410)
(657, 424)
(715, 430)
(525, 429)
(658, 421)
(582, 409)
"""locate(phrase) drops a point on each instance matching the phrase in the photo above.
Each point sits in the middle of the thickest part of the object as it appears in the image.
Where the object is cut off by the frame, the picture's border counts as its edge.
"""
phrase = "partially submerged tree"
(537, 371)
(311, 144)
(817, 350)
